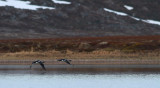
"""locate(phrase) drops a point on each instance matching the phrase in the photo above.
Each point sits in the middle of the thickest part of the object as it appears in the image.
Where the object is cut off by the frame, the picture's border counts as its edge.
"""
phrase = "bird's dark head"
(59, 60)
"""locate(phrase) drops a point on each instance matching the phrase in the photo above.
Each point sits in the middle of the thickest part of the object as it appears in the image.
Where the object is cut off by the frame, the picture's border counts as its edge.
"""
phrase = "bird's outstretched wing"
(42, 65)
(32, 64)
(68, 62)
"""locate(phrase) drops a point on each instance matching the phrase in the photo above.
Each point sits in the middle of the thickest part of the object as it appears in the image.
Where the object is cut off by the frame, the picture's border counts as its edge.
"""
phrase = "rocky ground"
(80, 18)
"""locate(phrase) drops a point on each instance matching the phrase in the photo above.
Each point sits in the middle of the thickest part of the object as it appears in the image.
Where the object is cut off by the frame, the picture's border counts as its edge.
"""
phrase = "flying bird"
(65, 60)
(40, 62)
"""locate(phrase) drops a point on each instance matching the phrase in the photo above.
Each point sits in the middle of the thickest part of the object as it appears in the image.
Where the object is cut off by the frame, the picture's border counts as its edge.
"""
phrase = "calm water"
(67, 79)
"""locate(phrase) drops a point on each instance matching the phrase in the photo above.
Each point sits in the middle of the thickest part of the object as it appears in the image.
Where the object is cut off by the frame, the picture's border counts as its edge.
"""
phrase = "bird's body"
(65, 60)
(40, 62)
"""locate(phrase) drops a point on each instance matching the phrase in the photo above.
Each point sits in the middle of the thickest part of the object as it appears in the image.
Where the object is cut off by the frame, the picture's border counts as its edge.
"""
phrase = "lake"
(78, 79)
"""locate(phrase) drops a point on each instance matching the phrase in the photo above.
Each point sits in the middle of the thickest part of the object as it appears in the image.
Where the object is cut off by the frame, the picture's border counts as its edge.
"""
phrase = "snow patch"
(61, 2)
(116, 12)
(152, 22)
(128, 7)
(135, 18)
(22, 5)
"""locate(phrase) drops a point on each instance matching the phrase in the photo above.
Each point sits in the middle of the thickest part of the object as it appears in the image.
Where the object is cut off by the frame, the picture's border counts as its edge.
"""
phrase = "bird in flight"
(40, 62)
(65, 60)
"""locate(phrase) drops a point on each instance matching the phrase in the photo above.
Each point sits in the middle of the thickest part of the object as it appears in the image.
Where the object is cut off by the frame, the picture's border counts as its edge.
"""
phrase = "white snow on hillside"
(22, 5)
(152, 22)
(135, 18)
(61, 2)
(116, 12)
(128, 7)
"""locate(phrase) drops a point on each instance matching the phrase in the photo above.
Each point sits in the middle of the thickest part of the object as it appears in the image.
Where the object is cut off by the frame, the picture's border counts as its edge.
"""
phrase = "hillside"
(75, 18)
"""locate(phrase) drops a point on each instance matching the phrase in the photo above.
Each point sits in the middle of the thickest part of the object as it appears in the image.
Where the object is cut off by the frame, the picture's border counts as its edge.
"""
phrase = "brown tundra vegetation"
(117, 47)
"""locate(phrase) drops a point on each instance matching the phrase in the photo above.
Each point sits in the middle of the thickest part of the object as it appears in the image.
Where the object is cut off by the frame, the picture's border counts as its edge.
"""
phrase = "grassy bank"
(98, 54)
(117, 47)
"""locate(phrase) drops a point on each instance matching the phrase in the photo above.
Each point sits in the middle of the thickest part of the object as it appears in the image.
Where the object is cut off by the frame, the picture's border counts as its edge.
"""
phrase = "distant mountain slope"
(78, 18)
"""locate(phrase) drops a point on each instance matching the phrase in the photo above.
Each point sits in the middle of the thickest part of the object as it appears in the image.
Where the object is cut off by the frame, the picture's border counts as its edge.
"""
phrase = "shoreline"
(77, 66)
(96, 65)
(81, 68)
(87, 62)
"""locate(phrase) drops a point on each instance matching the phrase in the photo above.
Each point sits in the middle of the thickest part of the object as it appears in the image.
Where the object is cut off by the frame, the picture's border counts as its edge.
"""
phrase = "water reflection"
(74, 79)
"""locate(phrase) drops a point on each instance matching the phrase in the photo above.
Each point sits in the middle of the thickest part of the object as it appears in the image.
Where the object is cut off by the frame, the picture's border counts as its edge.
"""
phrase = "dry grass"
(118, 47)
(98, 54)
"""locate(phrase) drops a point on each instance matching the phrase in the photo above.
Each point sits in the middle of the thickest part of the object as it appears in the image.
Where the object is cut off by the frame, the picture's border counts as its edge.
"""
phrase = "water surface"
(74, 79)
